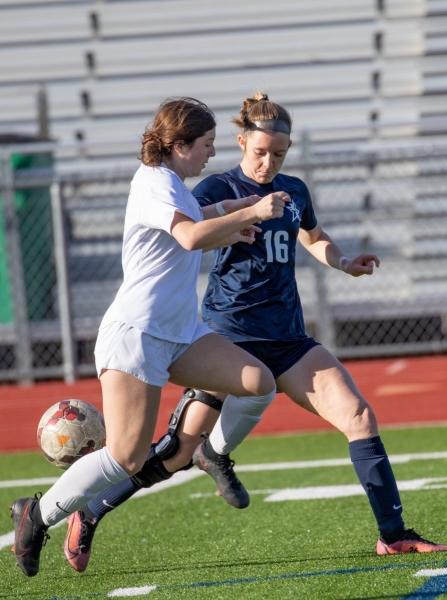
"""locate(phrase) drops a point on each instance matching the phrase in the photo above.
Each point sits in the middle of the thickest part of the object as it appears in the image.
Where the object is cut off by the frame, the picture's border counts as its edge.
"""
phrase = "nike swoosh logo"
(107, 504)
(63, 509)
(397, 507)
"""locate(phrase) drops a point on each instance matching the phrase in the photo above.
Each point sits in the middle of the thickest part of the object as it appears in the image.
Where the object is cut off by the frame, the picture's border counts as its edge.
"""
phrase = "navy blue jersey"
(252, 292)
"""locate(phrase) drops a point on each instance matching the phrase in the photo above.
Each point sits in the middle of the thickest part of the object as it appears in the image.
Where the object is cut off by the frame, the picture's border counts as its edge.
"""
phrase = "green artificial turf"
(198, 547)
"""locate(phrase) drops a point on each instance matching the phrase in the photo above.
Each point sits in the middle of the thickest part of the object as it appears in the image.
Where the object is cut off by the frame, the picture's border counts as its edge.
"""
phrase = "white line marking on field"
(28, 482)
(404, 458)
(7, 539)
(431, 572)
(136, 591)
(332, 491)
(300, 464)
(343, 491)
(335, 462)
(252, 493)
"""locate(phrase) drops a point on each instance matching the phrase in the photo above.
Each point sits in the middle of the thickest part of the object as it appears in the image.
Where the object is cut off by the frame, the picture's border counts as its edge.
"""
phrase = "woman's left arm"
(320, 245)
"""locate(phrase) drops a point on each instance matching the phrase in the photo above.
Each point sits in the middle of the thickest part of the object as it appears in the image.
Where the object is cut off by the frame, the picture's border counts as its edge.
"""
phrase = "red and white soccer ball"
(69, 430)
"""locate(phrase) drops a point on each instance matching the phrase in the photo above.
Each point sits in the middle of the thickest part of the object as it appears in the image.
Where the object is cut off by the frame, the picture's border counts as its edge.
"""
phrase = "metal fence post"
(23, 348)
(63, 284)
(324, 324)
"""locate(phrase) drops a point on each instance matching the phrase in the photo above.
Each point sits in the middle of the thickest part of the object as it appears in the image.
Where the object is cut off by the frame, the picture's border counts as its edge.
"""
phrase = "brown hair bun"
(260, 108)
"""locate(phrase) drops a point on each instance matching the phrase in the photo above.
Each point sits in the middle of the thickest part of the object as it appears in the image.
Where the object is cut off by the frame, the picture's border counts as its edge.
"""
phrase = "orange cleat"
(411, 542)
(78, 541)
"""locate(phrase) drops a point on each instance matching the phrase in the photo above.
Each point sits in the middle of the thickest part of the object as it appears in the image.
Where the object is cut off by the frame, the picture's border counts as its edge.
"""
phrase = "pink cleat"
(410, 542)
(78, 541)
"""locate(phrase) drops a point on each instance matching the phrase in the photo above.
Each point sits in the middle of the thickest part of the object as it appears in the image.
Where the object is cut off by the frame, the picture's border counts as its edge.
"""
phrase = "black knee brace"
(191, 395)
(153, 470)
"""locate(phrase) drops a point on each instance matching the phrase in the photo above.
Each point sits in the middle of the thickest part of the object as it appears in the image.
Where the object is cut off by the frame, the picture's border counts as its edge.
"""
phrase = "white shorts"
(124, 348)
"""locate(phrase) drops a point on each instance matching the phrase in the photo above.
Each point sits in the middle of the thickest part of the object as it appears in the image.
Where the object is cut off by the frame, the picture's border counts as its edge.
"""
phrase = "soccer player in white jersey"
(150, 334)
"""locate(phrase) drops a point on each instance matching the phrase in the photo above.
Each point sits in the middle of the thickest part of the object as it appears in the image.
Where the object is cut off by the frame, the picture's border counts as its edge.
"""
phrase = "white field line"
(184, 476)
(430, 573)
(136, 591)
(252, 493)
(334, 491)
(28, 482)
(335, 462)
(343, 491)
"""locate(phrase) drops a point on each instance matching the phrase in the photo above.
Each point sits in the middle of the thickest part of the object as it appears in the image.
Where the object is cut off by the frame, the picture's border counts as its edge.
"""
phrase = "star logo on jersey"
(295, 211)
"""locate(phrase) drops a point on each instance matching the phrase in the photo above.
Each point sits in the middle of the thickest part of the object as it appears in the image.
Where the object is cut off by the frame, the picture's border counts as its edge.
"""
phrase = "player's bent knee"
(268, 387)
(263, 383)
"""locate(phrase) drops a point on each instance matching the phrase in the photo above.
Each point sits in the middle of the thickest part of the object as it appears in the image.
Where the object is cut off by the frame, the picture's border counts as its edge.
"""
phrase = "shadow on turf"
(269, 562)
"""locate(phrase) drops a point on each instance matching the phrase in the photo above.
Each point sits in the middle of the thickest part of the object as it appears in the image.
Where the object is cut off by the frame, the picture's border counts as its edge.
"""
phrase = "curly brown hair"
(177, 120)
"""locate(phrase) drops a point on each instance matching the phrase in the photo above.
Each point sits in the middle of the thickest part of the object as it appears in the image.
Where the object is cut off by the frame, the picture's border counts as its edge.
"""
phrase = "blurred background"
(366, 83)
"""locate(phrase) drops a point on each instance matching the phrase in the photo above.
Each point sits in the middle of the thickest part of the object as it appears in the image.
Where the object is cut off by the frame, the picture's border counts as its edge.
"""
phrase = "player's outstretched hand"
(361, 265)
(271, 206)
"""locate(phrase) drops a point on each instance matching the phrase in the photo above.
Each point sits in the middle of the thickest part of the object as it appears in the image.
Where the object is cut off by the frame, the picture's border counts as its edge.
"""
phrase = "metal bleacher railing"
(60, 251)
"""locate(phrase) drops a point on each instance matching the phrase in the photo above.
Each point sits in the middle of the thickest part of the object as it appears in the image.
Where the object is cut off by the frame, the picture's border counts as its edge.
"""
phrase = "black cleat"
(220, 467)
(29, 537)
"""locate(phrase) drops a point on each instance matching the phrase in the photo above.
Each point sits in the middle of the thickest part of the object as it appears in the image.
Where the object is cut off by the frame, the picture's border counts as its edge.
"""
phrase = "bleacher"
(106, 65)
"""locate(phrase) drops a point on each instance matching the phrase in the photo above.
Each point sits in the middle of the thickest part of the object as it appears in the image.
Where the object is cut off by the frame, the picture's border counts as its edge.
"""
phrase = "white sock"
(83, 481)
(238, 417)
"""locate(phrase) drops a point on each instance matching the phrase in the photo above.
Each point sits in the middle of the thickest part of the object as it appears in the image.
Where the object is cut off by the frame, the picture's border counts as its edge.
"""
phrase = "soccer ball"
(69, 430)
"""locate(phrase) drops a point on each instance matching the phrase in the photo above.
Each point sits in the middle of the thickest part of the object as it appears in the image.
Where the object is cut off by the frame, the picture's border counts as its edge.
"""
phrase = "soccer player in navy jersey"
(252, 299)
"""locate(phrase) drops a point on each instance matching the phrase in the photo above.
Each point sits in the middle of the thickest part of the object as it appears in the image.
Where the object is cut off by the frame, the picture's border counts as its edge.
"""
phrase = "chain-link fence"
(392, 203)
(60, 257)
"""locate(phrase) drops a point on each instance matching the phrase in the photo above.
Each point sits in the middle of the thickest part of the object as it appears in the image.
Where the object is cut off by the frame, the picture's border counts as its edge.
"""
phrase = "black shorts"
(279, 357)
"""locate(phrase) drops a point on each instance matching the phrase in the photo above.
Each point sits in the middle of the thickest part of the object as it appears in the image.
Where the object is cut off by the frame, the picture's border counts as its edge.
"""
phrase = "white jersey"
(159, 291)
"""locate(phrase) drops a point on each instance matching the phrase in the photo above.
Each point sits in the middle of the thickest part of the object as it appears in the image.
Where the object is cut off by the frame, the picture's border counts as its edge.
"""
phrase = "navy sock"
(110, 498)
(374, 471)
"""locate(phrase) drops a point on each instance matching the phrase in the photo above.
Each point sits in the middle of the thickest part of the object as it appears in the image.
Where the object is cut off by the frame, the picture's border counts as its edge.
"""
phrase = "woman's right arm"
(205, 234)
